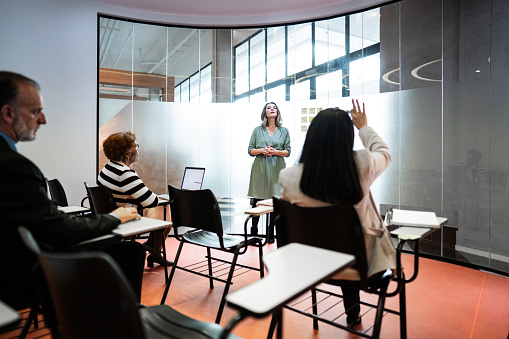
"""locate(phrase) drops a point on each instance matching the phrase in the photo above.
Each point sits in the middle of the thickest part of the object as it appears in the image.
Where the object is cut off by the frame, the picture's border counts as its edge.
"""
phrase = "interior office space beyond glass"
(434, 80)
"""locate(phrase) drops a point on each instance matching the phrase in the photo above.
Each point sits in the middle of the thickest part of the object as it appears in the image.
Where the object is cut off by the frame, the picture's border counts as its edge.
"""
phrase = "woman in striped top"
(127, 188)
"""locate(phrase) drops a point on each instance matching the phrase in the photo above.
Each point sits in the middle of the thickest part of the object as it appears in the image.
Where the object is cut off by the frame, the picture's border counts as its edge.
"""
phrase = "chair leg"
(402, 309)
(163, 237)
(32, 317)
(273, 323)
(209, 260)
(279, 332)
(315, 308)
(379, 312)
(173, 268)
(227, 287)
(260, 260)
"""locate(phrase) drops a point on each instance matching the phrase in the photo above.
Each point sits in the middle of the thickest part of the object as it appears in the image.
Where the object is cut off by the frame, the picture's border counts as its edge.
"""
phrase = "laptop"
(192, 180)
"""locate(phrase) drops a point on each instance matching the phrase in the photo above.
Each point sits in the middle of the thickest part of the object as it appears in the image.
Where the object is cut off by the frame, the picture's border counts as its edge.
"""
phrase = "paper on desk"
(414, 218)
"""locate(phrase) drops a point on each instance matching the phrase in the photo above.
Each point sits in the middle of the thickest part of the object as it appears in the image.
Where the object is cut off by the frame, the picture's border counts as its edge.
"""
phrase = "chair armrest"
(407, 234)
(256, 212)
(83, 202)
(259, 210)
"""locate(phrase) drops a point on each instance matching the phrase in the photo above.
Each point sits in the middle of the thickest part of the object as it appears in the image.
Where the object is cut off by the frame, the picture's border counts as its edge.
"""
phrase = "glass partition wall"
(434, 81)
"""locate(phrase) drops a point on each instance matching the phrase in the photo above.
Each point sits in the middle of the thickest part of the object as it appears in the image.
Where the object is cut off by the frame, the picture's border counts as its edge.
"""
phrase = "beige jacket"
(371, 162)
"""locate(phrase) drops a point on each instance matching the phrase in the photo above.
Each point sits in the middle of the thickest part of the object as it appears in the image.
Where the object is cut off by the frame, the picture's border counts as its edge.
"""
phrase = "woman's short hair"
(330, 173)
(117, 145)
(265, 121)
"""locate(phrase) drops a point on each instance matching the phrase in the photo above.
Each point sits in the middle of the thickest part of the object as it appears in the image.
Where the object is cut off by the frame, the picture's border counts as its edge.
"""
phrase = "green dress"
(265, 170)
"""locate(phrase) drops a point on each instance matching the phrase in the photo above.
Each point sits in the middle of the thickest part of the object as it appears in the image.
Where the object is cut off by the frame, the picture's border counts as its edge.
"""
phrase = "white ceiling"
(237, 13)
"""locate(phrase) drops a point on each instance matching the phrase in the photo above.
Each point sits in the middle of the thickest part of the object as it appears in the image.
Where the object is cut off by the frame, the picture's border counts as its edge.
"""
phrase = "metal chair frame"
(200, 210)
(339, 228)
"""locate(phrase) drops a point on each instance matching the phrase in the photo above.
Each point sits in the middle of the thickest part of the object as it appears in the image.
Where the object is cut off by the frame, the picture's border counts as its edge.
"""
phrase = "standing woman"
(330, 172)
(128, 189)
(269, 143)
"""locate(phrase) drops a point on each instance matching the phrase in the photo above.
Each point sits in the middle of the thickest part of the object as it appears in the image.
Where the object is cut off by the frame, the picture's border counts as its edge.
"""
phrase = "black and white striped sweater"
(126, 186)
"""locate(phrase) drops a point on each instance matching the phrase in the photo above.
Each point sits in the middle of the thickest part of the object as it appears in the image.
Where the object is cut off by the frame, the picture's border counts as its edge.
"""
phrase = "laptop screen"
(193, 178)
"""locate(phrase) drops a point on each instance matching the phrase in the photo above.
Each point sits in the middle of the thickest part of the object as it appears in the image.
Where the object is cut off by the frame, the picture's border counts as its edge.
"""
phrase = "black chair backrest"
(197, 209)
(90, 295)
(100, 198)
(335, 228)
(41, 287)
(57, 192)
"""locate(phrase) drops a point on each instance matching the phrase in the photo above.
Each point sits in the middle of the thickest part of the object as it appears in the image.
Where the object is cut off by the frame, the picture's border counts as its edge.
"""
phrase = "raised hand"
(359, 118)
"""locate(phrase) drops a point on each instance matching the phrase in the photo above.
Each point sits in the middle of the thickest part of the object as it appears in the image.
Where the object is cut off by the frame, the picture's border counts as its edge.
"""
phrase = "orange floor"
(445, 301)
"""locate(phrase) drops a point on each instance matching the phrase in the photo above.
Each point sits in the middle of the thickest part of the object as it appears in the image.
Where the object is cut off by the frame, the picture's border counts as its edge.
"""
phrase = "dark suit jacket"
(24, 202)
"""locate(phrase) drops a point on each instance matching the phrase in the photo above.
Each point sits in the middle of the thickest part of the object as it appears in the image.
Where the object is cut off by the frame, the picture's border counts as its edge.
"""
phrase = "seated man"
(24, 199)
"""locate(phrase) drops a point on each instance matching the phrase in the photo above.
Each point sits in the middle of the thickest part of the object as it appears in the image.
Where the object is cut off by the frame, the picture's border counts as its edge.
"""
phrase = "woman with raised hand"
(330, 172)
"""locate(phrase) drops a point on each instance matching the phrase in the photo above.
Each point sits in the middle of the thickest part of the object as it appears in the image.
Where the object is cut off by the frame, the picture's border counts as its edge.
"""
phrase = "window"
(184, 91)
(299, 48)
(206, 84)
(194, 88)
(300, 91)
(323, 59)
(242, 68)
(329, 40)
(257, 61)
(276, 94)
(329, 85)
(276, 54)
(197, 88)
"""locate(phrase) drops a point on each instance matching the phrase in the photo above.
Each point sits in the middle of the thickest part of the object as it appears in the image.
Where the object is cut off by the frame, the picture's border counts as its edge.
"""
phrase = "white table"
(8, 315)
(413, 233)
(292, 270)
(74, 209)
(130, 229)
(266, 202)
(143, 225)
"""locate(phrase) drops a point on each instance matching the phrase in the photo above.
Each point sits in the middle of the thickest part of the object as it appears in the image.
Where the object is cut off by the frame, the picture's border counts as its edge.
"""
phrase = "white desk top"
(266, 202)
(8, 315)
(292, 270)
(73, 209)
(414, 233)
(259, 210)
(141, 226)
(127, 229)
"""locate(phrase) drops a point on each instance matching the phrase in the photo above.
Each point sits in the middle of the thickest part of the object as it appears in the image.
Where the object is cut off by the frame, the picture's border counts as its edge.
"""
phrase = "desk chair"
(339, 228)
(292, 270)
(57, 192)
(200, 210)
(92, 299)
(100, 199)
(102, 202)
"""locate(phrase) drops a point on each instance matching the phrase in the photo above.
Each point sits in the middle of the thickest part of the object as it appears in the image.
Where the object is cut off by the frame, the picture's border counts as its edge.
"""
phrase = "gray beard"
(21, 130)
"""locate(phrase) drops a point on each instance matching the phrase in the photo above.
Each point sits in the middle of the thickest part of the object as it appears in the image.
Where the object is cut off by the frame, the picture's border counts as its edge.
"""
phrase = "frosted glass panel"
(434, 80)
(149, 120)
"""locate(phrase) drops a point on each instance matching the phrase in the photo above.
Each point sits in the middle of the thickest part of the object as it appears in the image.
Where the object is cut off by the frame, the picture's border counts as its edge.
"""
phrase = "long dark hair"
(330, 173)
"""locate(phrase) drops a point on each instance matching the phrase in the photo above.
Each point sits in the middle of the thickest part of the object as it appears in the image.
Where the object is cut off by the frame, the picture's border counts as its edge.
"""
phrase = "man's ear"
(7, 113)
